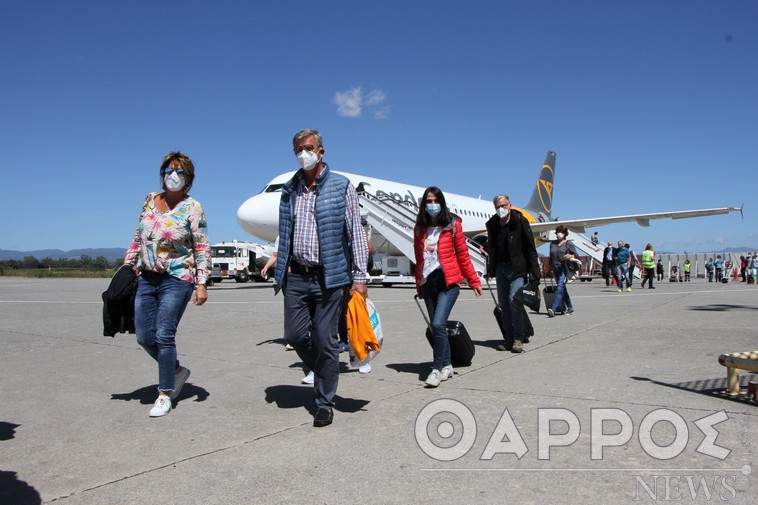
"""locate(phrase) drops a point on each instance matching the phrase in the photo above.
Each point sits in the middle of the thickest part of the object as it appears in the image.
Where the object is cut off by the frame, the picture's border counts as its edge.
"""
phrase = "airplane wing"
(579, 225)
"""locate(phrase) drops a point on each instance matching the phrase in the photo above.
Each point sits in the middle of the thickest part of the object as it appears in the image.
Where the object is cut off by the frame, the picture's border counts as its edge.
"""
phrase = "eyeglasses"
(306, 147)
(168, 170)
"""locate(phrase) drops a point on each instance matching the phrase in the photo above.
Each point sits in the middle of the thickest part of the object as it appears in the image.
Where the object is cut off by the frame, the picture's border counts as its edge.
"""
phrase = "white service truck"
(234, 260)
(395, 270)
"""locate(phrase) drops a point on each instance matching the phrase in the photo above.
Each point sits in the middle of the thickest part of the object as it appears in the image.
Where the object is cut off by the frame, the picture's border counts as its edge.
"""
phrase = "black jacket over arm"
(118, 302)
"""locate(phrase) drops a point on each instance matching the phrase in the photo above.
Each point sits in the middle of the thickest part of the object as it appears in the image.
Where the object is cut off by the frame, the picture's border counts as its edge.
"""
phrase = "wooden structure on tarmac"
(734, 362)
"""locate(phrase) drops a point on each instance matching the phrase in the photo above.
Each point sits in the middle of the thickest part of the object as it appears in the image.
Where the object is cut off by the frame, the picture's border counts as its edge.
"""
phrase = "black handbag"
(529, 295)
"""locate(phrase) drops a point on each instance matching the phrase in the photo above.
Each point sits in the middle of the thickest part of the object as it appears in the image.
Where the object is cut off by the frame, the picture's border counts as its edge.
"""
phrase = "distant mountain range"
(111, 254)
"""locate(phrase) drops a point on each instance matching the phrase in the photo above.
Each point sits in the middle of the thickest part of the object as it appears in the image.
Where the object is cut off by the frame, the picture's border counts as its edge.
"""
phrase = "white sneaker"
(162, 406)
(288, 347)
(447, 373)
(179, 379)
(434, 378)
(308, 379)
(365, 368)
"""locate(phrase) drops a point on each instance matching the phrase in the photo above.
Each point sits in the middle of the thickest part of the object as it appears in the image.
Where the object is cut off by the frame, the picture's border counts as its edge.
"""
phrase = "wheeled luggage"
(461, 347)
(497, 312)
(548, 293)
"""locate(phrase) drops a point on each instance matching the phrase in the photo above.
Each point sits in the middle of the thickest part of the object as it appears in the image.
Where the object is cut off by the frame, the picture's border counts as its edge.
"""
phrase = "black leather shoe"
(323, 417)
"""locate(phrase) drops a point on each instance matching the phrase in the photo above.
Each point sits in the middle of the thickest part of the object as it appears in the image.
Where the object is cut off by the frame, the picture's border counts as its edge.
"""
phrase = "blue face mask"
(433, 209)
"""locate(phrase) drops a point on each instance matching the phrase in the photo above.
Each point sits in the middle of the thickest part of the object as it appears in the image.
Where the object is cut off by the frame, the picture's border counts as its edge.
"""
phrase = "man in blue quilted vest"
(322, 255)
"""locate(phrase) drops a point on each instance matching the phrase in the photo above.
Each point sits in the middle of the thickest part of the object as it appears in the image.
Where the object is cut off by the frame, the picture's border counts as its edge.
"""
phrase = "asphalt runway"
(618, 403)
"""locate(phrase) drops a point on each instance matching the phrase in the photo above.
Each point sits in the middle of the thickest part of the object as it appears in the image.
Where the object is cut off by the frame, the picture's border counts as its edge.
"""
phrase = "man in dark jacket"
(608, 259)
(510, 245)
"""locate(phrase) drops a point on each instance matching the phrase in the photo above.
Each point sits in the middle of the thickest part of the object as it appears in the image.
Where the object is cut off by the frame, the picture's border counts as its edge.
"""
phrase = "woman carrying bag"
(442, 261)
(561, 253)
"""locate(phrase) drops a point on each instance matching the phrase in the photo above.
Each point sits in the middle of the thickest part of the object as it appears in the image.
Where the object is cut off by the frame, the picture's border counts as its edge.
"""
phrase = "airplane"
(259, 215)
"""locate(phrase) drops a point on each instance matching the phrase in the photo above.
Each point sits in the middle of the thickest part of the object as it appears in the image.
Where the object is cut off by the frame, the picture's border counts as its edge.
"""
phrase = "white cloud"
(375, 97)
(350, 103)
(382, 113)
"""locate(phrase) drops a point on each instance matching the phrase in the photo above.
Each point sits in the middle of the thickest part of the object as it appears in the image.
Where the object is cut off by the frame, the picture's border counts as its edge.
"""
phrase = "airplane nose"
(259, 216)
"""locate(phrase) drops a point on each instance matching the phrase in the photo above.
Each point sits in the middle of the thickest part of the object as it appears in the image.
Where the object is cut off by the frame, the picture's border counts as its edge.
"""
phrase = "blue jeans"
(512, 313)
(561, 293)
(311, 317)
(623, 275)
(439, 299)
(158, 308)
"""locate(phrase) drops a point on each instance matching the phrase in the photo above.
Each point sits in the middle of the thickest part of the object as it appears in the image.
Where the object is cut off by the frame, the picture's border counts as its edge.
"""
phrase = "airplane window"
(273, 188)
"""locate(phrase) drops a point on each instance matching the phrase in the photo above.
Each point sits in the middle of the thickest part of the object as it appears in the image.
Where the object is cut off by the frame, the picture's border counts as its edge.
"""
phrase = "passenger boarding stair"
(395, 222)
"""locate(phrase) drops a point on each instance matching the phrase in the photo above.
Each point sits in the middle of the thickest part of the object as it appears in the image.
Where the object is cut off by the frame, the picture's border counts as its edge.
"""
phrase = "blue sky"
(650, 106)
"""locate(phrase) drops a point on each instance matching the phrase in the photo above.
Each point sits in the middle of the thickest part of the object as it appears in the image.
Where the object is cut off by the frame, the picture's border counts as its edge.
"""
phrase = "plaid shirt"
(305, 244)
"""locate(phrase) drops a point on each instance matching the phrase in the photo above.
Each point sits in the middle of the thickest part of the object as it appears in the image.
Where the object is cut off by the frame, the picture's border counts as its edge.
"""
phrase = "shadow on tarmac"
(147, 394)
(723, 307)
(17, 491)
(8, 430)
(13, 490)
(278, 341)
(294, 397)
(420, 369)
(708, 387)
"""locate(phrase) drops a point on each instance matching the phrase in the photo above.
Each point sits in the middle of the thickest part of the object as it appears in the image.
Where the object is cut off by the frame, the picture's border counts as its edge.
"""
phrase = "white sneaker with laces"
(365, 368)
(308, 379)
(162, 406)
(179, 379)
(434, 378)
(447, 373)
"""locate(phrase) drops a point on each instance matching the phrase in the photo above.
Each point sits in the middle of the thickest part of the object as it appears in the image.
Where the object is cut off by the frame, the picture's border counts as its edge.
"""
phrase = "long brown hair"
(444, 218)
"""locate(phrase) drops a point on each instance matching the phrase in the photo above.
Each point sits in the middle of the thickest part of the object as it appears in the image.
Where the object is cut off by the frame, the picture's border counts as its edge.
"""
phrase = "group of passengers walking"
(321, 259)
(619, 264)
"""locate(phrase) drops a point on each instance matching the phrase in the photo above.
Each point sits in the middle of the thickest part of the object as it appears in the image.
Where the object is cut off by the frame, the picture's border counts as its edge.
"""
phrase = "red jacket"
(453, 254)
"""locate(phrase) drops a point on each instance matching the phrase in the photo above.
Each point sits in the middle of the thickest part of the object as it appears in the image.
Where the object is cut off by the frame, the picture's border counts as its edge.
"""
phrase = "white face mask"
(502, 212)
(174, 181)
(307, 159)
(560, 236)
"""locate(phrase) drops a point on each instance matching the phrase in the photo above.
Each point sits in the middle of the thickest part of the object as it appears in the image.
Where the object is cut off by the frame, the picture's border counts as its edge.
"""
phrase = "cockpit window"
(273, 188)
(222, 252)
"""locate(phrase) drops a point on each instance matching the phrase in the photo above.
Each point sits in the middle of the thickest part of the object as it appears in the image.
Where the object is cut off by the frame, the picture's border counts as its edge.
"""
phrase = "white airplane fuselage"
(259, 215)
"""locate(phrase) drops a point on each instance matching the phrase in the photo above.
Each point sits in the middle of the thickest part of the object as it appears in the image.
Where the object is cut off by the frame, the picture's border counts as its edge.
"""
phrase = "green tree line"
(49, 267)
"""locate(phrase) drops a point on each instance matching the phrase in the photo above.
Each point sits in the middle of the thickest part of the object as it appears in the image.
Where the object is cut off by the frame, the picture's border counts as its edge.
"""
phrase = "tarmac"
(617, 403)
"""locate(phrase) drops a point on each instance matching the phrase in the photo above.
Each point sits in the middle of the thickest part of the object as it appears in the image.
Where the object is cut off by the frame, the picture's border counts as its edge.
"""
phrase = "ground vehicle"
(234, 260)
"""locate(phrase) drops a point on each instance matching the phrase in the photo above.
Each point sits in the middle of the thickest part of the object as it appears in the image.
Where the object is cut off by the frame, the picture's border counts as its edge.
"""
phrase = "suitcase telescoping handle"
(489, 288)
(423, 314)
(487, 278)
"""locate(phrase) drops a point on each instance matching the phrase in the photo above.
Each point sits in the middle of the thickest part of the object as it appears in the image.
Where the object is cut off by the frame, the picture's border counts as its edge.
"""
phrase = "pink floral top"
(175, 242)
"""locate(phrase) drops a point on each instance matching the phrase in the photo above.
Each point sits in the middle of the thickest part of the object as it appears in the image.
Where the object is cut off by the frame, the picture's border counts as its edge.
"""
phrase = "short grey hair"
(307, 133)
(498, 197)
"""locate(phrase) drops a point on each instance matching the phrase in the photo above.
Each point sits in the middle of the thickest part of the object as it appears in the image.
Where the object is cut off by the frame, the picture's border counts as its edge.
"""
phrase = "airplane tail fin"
(541, 202)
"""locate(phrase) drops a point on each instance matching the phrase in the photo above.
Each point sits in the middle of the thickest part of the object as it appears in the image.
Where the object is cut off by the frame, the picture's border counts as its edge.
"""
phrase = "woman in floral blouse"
(171, 253)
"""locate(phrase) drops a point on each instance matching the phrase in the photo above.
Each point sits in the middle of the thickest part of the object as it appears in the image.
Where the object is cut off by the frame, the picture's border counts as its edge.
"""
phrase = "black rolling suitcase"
(548, 293)
(461, 347)
(528, 328)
